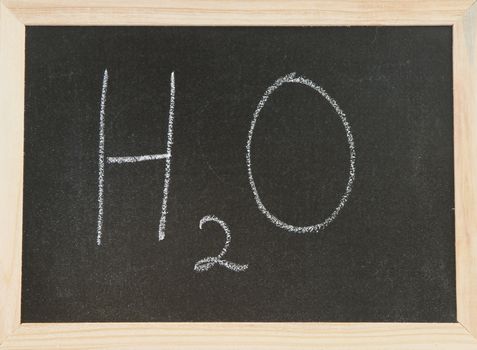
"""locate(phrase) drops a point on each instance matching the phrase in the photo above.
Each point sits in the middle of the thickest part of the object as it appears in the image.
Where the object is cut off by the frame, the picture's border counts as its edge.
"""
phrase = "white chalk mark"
(167, 178)
(101, 158)
(134, 159)
(228, 236)
(207, 263)
(291, 78)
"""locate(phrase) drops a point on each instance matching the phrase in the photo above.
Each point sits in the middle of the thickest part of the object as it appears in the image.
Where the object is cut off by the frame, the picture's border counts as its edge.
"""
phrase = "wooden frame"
(15, 14)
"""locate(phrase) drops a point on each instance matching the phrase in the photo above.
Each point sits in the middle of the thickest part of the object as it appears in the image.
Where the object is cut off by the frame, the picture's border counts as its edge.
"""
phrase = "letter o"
(291, 78)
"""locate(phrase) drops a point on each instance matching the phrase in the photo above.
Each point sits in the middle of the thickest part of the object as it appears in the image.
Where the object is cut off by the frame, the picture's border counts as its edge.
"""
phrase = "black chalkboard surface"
(322, 156)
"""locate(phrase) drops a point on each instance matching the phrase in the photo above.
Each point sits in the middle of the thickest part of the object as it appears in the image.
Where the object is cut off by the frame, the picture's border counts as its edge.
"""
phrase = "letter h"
(132, 159)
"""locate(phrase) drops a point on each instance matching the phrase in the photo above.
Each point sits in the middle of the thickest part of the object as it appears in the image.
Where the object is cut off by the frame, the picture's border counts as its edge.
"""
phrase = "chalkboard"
(238, 174)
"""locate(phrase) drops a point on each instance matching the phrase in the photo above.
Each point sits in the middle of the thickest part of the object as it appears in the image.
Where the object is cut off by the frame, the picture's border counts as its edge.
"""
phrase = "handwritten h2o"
(207, 263)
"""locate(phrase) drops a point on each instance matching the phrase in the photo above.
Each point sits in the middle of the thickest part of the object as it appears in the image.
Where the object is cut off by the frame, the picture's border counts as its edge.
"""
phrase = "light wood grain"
(11, 161)
(345, 336)
(238, 12)
(234, 12)
(465, 145)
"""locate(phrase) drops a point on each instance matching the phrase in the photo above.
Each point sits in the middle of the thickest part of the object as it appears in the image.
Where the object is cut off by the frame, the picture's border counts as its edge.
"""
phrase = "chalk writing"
(207, 263)
(133, 159)
(292, 78)
(104, 89)
(167, 178)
